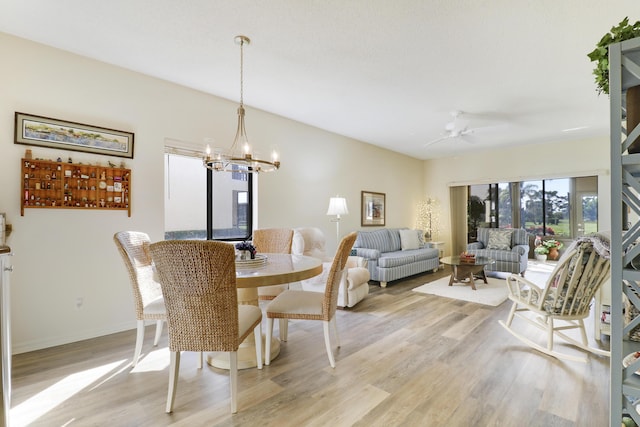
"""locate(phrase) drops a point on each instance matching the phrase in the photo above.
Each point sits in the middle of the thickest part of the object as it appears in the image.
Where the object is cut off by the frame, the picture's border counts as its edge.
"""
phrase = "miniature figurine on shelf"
(113, 165)
(69, 161)
(28, 154)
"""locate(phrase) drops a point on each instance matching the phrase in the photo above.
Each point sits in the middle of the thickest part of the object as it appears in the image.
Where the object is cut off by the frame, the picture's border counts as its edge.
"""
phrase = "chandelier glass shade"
(239, 157)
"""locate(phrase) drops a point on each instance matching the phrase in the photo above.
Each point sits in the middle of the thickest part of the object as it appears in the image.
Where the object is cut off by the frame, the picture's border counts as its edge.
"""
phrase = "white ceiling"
(385, 72)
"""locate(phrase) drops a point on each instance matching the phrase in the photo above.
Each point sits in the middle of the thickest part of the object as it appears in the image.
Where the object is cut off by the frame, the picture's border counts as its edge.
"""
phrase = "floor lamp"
(337, 207)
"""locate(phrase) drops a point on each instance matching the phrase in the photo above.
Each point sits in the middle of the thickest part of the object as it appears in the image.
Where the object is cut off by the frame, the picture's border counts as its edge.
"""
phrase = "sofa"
(354, 284)
(509, 247)
(395, 253)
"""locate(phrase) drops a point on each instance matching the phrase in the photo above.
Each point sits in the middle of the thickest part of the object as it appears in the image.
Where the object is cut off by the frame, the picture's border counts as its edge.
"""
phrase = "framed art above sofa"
(373, 209)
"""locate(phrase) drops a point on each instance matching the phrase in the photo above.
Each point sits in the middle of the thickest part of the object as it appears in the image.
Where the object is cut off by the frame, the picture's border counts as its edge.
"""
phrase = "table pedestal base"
(471, 271)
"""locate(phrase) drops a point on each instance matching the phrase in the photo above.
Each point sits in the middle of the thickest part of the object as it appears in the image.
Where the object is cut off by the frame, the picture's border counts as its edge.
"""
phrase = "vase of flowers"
(553, 246)
(245, 251)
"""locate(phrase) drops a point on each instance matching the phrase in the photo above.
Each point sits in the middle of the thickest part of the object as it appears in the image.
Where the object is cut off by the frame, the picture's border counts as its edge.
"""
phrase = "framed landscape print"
(373, 208)
(53, 133)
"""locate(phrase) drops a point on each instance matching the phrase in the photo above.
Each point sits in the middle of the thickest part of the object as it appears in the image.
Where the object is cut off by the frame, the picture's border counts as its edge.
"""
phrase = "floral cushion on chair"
(499, 240)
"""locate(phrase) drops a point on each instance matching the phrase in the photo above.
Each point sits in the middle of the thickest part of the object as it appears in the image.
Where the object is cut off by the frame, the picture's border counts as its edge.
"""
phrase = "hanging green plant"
(623, 31)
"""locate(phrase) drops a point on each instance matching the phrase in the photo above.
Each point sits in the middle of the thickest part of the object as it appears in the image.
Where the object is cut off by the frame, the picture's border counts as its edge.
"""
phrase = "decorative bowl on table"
(258, 261)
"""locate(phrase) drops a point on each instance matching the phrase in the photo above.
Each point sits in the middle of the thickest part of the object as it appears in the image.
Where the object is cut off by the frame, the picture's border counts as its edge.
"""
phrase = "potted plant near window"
(621, 32)
(541, 252)
(553, 246)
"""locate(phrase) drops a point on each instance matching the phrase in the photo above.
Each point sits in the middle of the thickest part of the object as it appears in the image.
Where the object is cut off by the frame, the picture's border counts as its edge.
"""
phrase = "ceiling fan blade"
(437, 140)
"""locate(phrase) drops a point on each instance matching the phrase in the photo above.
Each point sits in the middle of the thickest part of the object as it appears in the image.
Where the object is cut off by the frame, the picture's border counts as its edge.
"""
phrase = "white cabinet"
(5, 337)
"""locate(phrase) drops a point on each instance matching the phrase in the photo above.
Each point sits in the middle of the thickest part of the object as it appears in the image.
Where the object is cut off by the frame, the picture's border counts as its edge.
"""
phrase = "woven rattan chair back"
(273, 240)
(134, 249)
(198, 280)
(338, 268)
(147, 293)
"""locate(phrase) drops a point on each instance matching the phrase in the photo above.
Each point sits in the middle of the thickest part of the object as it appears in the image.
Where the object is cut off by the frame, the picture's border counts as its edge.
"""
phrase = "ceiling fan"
(453, 129)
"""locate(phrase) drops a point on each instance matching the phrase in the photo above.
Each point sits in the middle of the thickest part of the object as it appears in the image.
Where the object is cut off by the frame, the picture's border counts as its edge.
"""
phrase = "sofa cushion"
(499, 239)
(378, 239)
(425, 253)
(409, 239)
(510, 256)
(395, 259)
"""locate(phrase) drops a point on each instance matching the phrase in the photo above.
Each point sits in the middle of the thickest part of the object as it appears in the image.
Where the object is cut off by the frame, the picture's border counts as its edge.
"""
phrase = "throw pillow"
(500, 240)
(409, 239)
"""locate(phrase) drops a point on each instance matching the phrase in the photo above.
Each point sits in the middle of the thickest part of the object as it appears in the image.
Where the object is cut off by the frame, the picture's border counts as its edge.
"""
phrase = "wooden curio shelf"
(50, 184)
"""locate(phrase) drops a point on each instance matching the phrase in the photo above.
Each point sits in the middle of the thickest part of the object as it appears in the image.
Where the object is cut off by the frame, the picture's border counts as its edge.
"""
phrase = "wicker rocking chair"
(566, 297)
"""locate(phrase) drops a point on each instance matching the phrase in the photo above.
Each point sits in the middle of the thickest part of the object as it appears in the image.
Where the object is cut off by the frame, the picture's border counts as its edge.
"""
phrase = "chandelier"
(239, 157)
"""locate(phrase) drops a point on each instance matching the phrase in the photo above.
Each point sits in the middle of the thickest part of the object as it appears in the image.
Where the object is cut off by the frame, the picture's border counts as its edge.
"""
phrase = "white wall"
(61, 255)
(552, 160)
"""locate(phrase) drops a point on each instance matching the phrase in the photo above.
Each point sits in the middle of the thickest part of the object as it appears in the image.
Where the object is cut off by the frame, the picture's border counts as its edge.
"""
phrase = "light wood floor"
(407, 359)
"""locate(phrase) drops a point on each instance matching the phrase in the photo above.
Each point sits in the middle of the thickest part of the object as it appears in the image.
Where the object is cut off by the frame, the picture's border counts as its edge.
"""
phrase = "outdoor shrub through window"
(564, 208)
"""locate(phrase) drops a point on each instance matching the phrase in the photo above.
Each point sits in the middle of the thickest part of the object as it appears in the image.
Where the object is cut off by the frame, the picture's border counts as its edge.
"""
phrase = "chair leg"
(284, 329)
(257, 333)
(139, 340)
(158, 332)
(335, 330)
(174, 367)
(583, 333)
(267, 350)
(233, 380)
(512, 313)
(200, 357)
(327, 342)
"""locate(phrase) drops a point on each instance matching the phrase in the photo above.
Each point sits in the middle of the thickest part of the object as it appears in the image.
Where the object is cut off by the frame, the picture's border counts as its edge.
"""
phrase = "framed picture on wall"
(373, 209)
(53, 133)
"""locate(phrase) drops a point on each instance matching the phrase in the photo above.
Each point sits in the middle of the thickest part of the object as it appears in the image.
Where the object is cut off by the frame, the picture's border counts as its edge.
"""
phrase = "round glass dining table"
(277, 270)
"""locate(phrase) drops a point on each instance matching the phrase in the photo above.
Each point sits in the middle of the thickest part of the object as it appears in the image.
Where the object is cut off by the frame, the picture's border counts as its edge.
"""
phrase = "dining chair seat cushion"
(155, 306)
(307, 304)
(248, 318)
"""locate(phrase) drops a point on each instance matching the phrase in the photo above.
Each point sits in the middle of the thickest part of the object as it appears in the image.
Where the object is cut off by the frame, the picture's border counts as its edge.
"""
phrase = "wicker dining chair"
(198, 279)
(309, 305)
(147, 294)
(566, 298)
(275, 241)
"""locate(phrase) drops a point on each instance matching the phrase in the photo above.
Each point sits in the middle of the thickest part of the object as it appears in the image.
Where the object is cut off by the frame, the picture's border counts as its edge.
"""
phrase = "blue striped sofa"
(387, 261)
(512, 259)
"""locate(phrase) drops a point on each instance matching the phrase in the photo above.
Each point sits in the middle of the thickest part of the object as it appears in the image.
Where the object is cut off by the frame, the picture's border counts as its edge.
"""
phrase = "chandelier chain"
(241, 72)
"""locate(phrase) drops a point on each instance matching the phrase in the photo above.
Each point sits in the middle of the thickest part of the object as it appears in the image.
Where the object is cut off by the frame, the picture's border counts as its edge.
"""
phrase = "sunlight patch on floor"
(156, 360)
(43, 402)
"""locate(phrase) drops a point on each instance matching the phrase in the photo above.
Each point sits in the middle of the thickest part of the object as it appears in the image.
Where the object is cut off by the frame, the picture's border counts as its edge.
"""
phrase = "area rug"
(494, 293)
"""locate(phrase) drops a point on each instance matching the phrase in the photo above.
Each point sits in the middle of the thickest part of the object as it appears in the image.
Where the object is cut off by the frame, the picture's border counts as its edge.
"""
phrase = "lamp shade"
(337, 206)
